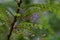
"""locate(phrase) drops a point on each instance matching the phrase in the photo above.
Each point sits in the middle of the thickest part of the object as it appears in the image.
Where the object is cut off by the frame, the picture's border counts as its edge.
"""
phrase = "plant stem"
(15, 19)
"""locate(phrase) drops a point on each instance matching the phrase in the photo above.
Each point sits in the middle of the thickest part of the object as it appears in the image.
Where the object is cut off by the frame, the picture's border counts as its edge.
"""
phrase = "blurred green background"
(47, 26)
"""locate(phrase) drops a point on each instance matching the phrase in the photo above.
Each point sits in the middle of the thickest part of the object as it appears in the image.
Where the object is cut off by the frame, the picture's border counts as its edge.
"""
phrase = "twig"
(15, 19)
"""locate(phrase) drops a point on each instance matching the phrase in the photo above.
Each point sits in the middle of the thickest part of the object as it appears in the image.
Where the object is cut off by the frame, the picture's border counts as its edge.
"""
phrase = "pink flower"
(34, 17)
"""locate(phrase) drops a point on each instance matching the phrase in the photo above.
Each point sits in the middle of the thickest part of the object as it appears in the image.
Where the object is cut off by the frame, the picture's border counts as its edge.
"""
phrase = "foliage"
(35, 20)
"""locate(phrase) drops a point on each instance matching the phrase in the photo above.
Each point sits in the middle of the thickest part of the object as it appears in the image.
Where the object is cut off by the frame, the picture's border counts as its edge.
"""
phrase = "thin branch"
(15, 19)
(10, 12)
